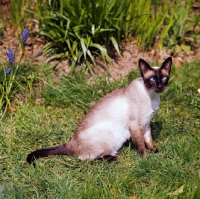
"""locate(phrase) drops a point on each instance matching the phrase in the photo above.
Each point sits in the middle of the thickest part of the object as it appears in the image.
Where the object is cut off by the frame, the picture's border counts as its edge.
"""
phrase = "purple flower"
(8, 71)
(11, 56)
(24, 35)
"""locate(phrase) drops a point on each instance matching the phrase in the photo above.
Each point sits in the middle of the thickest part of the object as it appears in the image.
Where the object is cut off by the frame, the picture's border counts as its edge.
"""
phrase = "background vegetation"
(81, 30)
(39, 110)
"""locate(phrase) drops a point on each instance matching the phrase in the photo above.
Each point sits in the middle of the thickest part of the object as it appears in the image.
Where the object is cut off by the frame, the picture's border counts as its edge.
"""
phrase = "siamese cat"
(123, 114)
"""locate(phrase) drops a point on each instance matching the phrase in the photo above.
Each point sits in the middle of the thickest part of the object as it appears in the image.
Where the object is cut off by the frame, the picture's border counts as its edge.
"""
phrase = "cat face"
(155, 78)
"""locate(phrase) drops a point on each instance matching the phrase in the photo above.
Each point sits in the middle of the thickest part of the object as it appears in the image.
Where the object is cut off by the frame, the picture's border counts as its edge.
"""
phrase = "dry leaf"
(4, 1)
(92, 103)
(176, 192)
(11, 109)
(196, 4)
(20, 98)
(158, 59)
(133, 197)
(39, 101)
(177, 62)
(38, 84)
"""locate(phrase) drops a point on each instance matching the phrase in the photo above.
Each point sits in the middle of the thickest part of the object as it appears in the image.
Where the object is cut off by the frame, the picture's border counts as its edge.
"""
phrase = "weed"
(19, 17)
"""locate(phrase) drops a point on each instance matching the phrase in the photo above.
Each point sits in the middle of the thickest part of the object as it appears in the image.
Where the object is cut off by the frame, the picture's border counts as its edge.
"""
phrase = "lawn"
(172, 173)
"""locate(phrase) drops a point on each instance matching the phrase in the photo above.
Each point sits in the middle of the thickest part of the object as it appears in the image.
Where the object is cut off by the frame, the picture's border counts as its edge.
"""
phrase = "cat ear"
(144, 66)
(167, 64)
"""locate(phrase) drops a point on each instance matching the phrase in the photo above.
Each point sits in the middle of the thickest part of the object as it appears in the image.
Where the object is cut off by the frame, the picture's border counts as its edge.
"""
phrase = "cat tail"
(45, 152)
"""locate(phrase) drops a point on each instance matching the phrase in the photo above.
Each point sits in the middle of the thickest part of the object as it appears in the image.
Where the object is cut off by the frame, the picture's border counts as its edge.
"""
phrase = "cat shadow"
(156, 128)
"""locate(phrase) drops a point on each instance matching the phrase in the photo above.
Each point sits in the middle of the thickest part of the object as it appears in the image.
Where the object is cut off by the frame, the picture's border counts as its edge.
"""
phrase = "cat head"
(155, 78)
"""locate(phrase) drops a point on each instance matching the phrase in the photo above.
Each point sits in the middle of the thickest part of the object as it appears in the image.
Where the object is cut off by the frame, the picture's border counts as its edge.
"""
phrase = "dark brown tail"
(59, 150)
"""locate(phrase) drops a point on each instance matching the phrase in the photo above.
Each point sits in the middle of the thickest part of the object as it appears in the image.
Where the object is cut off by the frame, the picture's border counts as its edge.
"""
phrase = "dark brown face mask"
(155, 78)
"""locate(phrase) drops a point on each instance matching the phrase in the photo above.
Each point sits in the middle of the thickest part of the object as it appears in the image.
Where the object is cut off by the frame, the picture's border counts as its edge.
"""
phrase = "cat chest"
(151, 114)
(152, 111)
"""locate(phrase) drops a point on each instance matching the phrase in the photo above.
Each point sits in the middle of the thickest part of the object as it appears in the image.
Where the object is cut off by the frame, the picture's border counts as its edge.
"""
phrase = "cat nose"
(159, 85)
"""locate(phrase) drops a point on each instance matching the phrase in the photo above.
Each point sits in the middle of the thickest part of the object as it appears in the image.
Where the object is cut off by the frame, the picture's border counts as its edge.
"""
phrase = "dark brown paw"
(109, 158)
(156, 150)
(112, 159)
(141, 152)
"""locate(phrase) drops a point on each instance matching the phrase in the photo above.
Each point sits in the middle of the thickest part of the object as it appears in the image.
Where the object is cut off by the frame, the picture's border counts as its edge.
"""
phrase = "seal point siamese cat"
(123, 114)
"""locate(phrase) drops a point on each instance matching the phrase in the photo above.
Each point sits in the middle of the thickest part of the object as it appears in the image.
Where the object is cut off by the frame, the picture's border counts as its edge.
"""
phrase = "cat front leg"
(148, 139)
(137, 137)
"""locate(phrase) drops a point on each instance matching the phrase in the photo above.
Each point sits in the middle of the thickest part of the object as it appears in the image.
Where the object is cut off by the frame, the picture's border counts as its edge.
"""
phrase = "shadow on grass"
(156, 128)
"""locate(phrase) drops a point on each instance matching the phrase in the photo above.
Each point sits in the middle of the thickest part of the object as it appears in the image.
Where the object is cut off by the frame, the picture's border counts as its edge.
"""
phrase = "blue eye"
(152, 79)
(164, 78)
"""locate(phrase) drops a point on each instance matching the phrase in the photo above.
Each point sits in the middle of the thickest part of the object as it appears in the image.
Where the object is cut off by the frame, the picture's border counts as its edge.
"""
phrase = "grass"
(172, 173)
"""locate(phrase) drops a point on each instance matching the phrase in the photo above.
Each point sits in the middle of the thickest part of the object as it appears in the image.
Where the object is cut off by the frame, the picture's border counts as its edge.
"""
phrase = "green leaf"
(93, 29)
(186, 48)
(56, 56)
(84, 48)
(102, 50)
(89, 67)
(91, 57)
(115, 44)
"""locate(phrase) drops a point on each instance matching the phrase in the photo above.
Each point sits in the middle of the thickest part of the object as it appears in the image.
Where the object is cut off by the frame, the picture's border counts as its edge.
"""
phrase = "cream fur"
(110, 124)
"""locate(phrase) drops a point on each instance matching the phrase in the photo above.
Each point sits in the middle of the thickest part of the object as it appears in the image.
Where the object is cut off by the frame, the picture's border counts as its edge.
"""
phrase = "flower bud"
(24, 35)
(11, 56)
(8, 71)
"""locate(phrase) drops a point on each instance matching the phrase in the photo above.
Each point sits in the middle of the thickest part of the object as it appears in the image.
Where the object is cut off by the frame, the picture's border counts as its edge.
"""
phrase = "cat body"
(123, 114)
(108, 125)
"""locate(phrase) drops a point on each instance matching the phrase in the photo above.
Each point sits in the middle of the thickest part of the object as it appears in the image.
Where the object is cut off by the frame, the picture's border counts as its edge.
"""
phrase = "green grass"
(172, 173)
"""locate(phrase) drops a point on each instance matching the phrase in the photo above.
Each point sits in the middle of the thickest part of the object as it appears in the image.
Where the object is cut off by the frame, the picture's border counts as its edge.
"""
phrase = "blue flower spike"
(11, 56)
(8, 71)
(24, 35)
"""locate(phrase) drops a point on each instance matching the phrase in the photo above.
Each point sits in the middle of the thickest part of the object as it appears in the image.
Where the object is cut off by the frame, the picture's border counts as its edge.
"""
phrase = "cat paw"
(156, 150)
(141, 152)
(109, 158)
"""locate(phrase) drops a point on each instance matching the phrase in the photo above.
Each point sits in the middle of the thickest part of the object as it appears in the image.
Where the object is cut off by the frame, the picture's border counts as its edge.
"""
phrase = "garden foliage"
(83, 29)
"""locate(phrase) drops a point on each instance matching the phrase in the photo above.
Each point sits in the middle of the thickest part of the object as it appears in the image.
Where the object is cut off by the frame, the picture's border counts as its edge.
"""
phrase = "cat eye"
(152, 79)
(164, 78)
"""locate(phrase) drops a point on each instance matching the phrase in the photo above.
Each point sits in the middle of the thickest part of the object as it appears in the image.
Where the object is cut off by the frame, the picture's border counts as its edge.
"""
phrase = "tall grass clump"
(179, 27)
(148, 25)
(164, 24)
(81, 30)
(19, 17)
